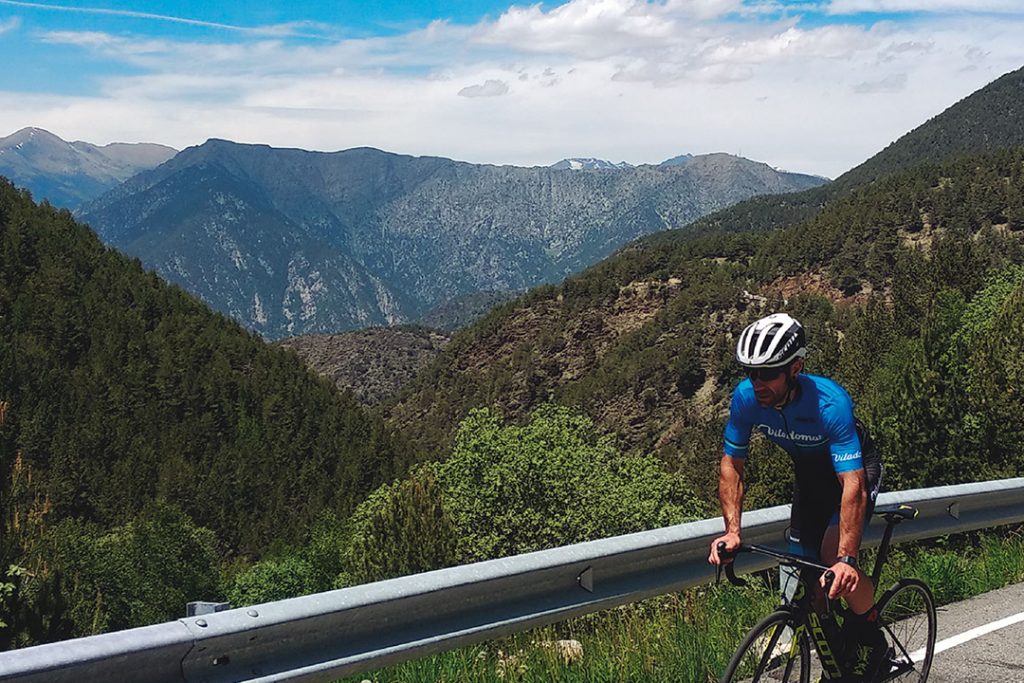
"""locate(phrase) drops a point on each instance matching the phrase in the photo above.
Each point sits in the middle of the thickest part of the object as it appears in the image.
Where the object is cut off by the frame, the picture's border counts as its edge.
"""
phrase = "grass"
(689, 636)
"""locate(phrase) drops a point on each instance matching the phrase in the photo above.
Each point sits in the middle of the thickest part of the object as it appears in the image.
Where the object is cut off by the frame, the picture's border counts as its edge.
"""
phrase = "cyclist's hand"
(732, 541)
(845, 582)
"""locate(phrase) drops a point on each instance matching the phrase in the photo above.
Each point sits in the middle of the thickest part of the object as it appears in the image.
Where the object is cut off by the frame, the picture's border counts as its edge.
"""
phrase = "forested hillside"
(120, 392)
(886, 280)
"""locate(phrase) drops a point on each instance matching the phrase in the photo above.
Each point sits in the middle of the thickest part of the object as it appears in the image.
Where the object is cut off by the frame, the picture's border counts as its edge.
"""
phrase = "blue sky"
(809, 85)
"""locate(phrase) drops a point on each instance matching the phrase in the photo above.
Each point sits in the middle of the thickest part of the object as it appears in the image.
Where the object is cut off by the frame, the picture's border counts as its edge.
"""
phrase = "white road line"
(946, 644)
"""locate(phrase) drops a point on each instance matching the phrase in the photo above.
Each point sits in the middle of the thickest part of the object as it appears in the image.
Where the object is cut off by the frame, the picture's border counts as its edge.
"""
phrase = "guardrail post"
(197, 607)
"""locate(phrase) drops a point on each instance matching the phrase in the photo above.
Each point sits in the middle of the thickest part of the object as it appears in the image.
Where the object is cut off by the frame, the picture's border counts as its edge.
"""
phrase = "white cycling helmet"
(771, 342)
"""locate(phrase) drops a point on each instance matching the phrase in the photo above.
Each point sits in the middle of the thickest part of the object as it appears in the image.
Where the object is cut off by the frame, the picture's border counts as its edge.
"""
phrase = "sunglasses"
(766, 374)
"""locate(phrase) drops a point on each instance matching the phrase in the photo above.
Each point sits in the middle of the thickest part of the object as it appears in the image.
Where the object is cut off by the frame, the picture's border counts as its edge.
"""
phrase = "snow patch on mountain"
(589, 164)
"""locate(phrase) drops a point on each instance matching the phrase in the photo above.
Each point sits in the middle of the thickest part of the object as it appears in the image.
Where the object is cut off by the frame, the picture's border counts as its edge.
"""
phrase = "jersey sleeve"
(844, 444)
(739, 426)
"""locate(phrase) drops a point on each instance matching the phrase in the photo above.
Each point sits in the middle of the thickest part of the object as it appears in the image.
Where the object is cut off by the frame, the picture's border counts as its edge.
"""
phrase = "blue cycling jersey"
(814, 428)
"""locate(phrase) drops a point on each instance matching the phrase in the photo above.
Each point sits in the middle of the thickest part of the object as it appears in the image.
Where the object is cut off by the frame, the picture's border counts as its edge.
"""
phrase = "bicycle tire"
(907, 615)
(760, 659)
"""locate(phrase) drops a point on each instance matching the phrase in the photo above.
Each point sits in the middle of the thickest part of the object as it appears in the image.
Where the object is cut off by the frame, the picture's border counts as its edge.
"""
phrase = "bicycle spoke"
(769, 655)
(909, 622)
(898, 642)
(769, 650)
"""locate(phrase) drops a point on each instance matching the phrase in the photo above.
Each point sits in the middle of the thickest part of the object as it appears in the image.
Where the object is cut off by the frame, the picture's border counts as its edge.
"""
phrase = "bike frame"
(819, 624)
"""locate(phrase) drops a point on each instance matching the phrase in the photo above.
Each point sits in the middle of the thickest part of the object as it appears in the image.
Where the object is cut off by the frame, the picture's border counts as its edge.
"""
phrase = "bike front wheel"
(907, 615)
(774, 651)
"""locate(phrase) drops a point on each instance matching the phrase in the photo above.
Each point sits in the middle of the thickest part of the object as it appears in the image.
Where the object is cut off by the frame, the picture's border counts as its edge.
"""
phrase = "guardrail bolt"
(586, 580)
(253, 613)
(201, 623)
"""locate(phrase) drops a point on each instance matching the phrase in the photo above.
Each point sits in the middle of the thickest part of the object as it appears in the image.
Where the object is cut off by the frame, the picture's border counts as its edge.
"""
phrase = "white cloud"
(830, 42)
(890, 84)
(489, 88)
(933, 6)
(583, 27)
(11, 24)
(620, 79)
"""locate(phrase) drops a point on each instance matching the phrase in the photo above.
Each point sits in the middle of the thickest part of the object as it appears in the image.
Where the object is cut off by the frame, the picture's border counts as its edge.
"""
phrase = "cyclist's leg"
(862, 625)
(811, 517)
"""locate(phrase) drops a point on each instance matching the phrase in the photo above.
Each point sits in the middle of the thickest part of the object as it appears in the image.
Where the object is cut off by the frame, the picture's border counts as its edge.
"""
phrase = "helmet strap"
(792, 387)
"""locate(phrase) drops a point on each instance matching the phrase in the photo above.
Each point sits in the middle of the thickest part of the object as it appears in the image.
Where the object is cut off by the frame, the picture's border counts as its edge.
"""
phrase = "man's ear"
(797, 367)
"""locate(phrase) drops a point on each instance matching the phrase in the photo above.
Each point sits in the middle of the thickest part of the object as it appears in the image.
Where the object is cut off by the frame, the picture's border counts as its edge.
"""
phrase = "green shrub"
(402, 528)
(272, 579)
(513, 489)
(140, 573)
(510, 489)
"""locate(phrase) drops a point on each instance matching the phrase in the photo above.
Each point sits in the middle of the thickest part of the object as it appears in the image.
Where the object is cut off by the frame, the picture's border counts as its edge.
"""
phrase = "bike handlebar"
(730, 570)
(785, 558)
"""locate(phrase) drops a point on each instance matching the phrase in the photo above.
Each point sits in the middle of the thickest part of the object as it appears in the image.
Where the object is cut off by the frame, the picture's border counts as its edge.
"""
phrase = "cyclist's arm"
(730, 472)
(851, 511)
(847, 581)
(730, 492)
(845, 449)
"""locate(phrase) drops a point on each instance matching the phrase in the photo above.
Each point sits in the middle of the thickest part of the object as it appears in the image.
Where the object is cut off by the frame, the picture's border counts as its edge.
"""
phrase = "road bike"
(779, 647)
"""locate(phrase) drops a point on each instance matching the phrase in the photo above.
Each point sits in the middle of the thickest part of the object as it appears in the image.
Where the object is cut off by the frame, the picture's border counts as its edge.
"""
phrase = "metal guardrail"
(325, 636)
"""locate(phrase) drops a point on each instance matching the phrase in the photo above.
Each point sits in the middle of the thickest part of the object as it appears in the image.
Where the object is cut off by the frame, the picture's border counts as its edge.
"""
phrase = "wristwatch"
(849, 559)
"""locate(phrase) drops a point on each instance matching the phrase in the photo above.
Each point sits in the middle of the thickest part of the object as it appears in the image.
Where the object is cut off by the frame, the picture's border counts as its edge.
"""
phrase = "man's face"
(771, 385)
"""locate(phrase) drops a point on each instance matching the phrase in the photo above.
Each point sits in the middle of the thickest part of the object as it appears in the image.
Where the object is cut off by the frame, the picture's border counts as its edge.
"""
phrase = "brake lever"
(830, 577)
(718, 567)
(730, 568)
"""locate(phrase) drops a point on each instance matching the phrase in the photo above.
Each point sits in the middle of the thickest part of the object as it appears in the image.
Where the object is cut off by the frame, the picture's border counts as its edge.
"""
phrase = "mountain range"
(69, 173)
(291, 242)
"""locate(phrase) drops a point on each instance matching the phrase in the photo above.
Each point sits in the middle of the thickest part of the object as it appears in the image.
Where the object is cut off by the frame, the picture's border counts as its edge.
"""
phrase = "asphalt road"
(995, 657)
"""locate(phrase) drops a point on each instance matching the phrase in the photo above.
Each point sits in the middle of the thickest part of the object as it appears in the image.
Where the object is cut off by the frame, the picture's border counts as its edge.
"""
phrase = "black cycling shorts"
(817, 496)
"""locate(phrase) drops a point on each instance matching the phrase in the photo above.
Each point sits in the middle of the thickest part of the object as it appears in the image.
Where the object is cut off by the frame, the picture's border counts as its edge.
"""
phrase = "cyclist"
(837, 472)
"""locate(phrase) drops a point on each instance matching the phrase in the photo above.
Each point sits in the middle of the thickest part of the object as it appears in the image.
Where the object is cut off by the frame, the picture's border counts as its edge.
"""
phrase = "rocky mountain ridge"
(293, 242)
(69, 173)
(460, 312)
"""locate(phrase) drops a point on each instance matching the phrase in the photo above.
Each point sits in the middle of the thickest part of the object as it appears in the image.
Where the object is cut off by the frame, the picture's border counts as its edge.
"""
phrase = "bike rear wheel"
(771, 653)
(907, 615)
